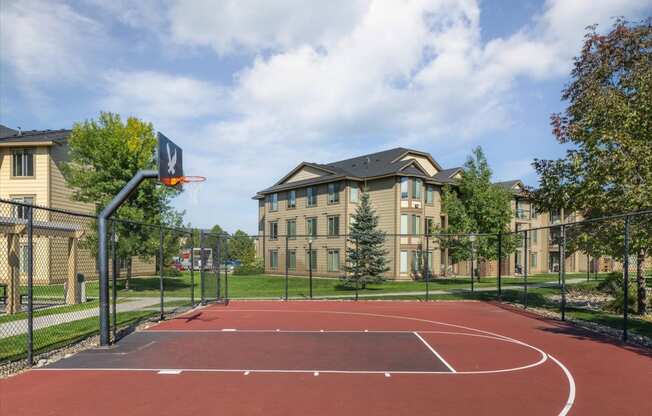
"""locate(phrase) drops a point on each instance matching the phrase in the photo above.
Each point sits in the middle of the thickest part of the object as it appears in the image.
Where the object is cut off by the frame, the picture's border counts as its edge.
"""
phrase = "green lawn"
(46, 339)
(267, 286)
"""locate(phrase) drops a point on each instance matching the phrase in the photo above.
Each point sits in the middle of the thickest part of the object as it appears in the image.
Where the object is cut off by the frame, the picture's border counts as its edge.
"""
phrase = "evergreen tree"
(365, 253)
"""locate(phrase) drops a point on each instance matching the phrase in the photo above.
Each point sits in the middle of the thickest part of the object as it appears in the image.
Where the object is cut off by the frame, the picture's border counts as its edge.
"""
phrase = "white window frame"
(273, 230)
(21, 162)
(403, 261)
(354, 193)
(333, 255)
(405, 219)
(405, 188)
(311, 232)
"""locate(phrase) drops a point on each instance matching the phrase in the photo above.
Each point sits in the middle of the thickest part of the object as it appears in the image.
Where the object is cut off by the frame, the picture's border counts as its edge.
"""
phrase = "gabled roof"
(372, 165)
(9, 136)
(515, 186)
(447, 175)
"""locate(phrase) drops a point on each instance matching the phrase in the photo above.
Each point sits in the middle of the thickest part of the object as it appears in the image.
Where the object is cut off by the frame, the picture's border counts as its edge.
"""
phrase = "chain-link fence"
(49, 273)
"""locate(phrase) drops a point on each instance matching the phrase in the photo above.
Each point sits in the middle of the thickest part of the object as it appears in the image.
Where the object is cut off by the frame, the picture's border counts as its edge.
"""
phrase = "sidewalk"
(19, 327)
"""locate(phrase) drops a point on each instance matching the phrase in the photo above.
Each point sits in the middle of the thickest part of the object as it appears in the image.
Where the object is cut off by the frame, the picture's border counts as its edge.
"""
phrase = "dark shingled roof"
(8, 135)
(509, 185)
(367, 166)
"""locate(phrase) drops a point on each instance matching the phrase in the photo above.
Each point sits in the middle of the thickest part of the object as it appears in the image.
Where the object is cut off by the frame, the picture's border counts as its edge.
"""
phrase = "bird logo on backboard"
(172, 160)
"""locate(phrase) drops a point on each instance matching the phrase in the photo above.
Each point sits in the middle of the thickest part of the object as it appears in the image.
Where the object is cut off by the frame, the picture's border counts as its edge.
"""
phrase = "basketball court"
(324, 358)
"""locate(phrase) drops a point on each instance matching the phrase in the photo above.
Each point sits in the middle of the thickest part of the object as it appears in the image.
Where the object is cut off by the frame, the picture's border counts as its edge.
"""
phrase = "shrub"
(611, 284)
(616, 304)
(255, 267)
(171, 272)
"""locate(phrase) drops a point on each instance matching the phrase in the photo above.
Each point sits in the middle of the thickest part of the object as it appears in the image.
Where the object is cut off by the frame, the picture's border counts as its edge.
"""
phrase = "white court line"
(450, 367)
(172, 372)
(568, 375)
(571, 387)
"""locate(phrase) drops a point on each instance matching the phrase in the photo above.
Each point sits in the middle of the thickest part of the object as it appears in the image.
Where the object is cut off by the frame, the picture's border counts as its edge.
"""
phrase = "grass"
(266, 286)
(50, 338)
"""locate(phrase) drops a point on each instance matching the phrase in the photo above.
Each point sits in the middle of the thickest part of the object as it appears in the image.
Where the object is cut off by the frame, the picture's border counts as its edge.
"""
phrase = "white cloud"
(46, 40)
(244, 25)
(160, 96)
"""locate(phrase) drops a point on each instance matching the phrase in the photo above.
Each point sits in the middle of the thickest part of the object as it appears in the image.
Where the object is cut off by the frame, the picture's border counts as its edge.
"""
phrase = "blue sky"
(252, 88)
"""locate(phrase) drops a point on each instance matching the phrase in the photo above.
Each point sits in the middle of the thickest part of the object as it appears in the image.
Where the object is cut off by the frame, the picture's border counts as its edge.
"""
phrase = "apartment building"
(31, 172)
(314, 204)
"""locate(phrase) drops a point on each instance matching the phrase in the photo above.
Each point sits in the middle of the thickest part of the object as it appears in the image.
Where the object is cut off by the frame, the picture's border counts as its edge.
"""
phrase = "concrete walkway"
(19, 327)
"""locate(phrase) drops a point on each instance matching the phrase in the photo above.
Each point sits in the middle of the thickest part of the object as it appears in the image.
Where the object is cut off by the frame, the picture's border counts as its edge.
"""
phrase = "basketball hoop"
(180, 180)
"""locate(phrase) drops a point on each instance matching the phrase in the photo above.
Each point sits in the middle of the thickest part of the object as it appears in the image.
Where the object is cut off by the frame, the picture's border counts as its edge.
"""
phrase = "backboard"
(170, 161)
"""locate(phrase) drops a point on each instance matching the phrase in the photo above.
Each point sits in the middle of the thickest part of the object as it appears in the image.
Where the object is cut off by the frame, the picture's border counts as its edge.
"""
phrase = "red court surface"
(344, 358)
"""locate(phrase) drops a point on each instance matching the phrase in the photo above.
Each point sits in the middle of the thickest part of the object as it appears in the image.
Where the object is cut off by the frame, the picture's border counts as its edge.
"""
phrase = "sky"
(250, 89)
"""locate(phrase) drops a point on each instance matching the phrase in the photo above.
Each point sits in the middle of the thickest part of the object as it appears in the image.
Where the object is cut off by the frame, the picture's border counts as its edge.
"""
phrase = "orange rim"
(180, 180)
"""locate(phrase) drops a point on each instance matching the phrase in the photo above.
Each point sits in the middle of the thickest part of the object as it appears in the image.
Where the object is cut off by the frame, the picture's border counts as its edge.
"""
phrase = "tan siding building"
(31, 172)
(404, 187)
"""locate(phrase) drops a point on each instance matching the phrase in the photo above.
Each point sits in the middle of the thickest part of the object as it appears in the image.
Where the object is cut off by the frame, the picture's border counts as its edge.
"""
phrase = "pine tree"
(365, 253)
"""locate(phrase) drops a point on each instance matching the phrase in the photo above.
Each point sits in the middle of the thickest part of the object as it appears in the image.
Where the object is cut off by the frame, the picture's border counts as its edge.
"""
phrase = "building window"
(417, 184)
(273, 202)
(351, 220)
(533, 259)
(311, 196)
(292, 259)
(430, 194)
(311, 259)
(23, 162)
(404, 224)
(333, 260)
(534, 236)
(355, 192)
(273, 230)
(416, 224)
(404, 262)
(416, 261)
(404, 188)
(430, 226)
(273, 259)
(292, 199)
(535, 214)
(334, 193)
(333, 225)
(292, 229)
(19, 210)
(311, 226)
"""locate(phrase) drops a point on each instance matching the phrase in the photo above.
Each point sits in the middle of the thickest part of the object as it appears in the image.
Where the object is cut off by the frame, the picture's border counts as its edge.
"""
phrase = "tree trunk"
(640, 283)
(128, 279)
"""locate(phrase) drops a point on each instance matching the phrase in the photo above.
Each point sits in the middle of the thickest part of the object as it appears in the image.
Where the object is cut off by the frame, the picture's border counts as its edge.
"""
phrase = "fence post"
(219, 268)
(30, 285)
(357, 269)
(160, 265)
(626, 279)
(202, 259)
(588, 267)
(310, 264)
(526, 258)
(500, 264)
(287, 265)
(226, 283)
(192, 268)
(562, 271)
(427, 265)
(114, 278)
(472, 259)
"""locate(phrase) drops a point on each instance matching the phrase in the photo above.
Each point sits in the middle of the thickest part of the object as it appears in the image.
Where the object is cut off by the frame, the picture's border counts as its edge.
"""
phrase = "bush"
(612, 284)
(255, 267)
(171, 272)
(616, 305)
